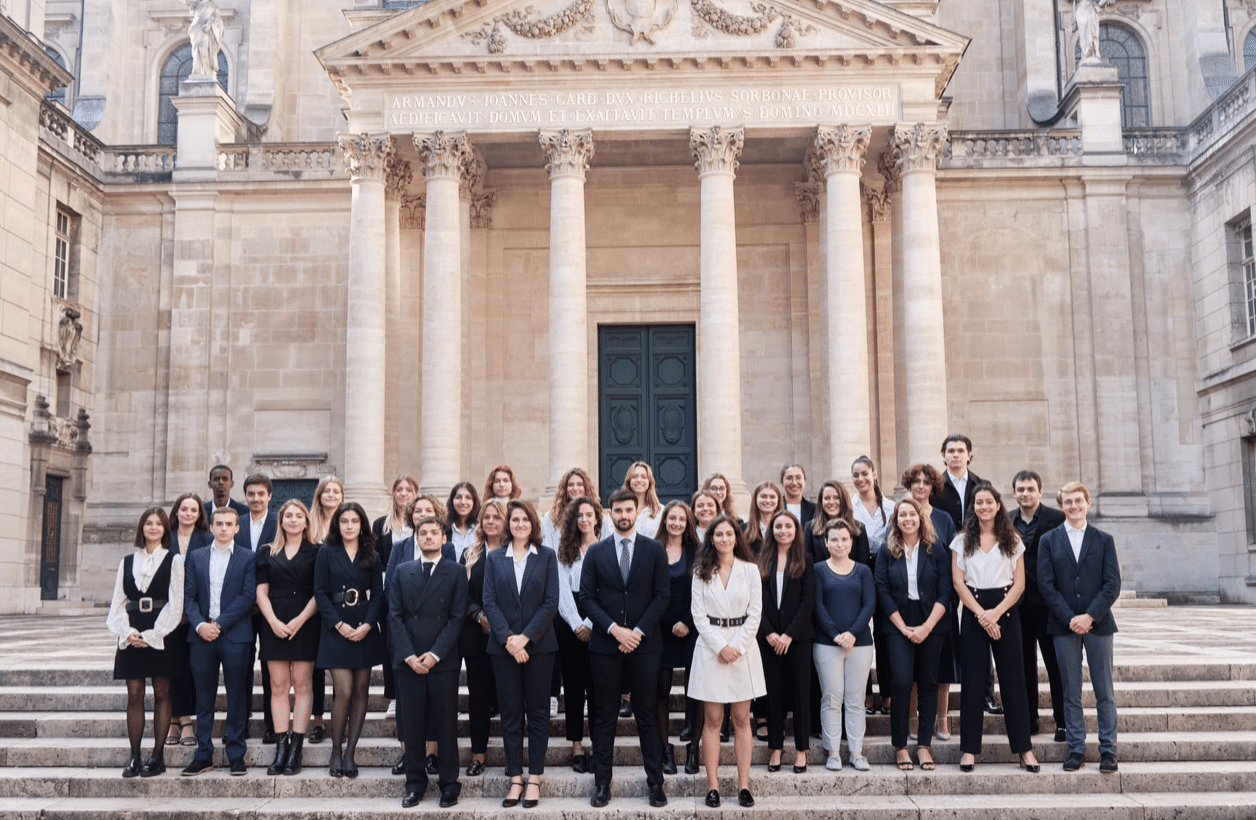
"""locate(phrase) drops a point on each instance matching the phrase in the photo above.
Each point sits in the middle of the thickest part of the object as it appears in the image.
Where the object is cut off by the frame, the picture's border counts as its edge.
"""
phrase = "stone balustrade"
(288, 160)
(1006, 149)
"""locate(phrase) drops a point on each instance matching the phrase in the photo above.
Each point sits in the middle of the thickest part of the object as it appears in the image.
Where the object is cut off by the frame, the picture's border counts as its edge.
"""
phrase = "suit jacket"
(1072, 586)
(1046, 519)
(200, 538)
(933, 581)
(860, 552)
(426, 616)
(239, 594)
(793, 616)
(528, 610)
(806, 512)
(240, 507)
(606, 600)
(270, 528)
(948, 499)
(405, 553)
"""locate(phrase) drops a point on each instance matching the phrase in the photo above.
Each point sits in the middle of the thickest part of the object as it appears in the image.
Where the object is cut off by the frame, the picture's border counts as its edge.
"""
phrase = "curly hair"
(1004, 532)
(926, 471)
(571, 539)
(515, 489)
(559, 507)
(708, 558)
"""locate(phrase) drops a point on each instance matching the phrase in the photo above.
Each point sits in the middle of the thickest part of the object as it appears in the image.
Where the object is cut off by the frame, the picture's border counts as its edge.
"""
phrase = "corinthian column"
(840, 151)
(367, 157)
(443, 156)
(568, 154)
(915, 150)
(719, 339)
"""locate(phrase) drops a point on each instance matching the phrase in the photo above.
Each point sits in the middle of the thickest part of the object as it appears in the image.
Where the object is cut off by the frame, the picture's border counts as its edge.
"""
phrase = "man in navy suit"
(221, 480)
(426, 603)
(624, 590)
(258, 529)
(1080, 579)
(220, 588)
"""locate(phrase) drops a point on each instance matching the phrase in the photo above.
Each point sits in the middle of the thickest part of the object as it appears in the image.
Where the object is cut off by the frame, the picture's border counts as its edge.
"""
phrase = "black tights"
(135, 713)
(348, 708)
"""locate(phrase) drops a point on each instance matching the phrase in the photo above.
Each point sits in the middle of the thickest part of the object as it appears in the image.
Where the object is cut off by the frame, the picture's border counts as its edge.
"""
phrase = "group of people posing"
(782, 613)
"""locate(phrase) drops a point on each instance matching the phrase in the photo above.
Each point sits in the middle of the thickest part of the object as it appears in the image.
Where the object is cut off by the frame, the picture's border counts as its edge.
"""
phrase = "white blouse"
(877, 526)
(568, 583)
(461, 540)
(987, 570)
(142, 570)
(551, 533)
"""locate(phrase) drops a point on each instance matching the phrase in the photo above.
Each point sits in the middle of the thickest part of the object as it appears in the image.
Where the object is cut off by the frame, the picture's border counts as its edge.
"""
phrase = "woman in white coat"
(727, 605)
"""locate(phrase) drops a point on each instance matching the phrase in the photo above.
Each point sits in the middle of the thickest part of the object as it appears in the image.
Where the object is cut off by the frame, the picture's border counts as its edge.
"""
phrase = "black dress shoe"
(669, 759)
(993, 707)
(1060, 737)
(658, 798)
(449, 795)
(1107, 762)
(580, 764)
(691, 759)
(433, 765)
(601, 796)
(475, 768)
(745, 799)
(412, 798)
(625, 708)
(399, 765)
(318, 734)
(686, 732)
(237, 767)
(713, 798)
(197, 767)
(1074, 762)
(153, 767)
(269, 737)
(133, 766)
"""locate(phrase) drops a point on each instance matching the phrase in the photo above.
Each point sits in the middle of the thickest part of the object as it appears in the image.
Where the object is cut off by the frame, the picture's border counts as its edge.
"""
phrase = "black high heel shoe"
(1032, 768)
(509, 802)
(968, 767)
(531, 804)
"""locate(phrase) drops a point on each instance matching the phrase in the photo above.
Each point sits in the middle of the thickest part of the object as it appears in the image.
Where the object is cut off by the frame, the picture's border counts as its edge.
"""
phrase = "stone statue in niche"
(205, 31)
(641, 18)
(69, 333)
(1086, 20)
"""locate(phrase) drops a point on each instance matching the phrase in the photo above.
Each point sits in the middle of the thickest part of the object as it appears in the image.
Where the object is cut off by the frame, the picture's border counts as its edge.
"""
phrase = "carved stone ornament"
(443, 155)
(641, 18)
(842, 147)
(367, 155)
(69, 333)
(716, 149)
(889, 172)
(482, 209)
(522, 23)
(878, 200)
(473, 170)
(742, 26)
(313, 465)
(397, 178)
(413, 212)
(808, 194)
(567, 152)
(917, 147)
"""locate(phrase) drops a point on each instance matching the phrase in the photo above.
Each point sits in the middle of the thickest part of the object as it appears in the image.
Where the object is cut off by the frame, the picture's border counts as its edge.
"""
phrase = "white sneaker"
(834, 763)
(859, 763)
(391, 711)
(553, 707)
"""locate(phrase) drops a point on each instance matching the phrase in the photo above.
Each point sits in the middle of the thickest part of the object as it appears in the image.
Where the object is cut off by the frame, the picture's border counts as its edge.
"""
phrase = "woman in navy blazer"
(916, 609)
(520, 601)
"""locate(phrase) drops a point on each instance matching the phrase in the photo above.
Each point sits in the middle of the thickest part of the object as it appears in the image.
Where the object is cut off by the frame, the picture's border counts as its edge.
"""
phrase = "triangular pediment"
(495, 36)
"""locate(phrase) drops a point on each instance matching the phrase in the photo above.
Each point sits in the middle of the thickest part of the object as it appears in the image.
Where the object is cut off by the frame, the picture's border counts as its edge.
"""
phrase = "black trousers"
(481, 695)
(431, 710)
(524, 688)
(788, 681)
(975, 651)
(573, 655)
(1034, 635)
(640, 672)
(913, 663)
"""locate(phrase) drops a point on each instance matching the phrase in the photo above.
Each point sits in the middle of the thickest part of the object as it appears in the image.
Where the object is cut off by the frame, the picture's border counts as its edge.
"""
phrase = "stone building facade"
(721, 235)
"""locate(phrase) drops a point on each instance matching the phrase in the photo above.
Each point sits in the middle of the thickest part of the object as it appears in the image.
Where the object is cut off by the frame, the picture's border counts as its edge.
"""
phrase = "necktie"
(427, 570)
(623, 558)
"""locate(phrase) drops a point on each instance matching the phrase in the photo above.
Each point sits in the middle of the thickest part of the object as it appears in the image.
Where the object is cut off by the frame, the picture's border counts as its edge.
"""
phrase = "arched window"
(57, 95)
(1249, 50)
(1122, 48)
(178, 67)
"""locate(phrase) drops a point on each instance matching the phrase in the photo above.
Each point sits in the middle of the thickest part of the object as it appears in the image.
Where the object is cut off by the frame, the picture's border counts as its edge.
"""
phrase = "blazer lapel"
(233, 569)
(529, 567)
(1088, 541)
(421, 586)
(635, 564)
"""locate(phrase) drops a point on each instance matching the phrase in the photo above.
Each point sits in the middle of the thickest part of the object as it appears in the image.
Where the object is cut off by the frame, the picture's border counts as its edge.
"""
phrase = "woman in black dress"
(490, 533)
(285, 595)
(349, 588)
(147, 606)
(679, 536)
(190, 530)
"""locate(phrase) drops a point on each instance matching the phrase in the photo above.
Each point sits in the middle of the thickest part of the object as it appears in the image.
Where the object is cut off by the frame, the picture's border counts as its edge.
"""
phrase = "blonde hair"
(559, 507)
(281, 537)
(927, 534)
(320, 522)
(395, 520)
(651, 494)
(477, 549)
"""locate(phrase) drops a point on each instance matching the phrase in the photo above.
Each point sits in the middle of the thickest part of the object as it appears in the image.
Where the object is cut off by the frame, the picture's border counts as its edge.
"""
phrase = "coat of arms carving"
(641, 18)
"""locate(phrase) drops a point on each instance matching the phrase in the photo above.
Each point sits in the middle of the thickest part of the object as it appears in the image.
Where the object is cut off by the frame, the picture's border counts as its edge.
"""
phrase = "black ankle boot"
(292, 763)
(669, 759)
(686, 732)
(691, 758)
(281, 752)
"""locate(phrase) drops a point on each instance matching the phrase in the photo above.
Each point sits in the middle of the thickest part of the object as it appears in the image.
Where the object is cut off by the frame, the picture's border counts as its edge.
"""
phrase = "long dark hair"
(534, 537)
(708, 557)
(570, 539)
(202, 520)
(452, 518)
(795, 559)
(366, 541)
(140, 541)
(1004, 532)
(820, 521)
(688, 538)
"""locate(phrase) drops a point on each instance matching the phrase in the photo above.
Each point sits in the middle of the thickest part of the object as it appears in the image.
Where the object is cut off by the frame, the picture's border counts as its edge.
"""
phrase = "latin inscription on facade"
(650, 108)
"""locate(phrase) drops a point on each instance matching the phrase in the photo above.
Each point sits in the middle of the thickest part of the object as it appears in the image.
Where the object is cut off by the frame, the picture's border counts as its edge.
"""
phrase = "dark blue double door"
(647, 406)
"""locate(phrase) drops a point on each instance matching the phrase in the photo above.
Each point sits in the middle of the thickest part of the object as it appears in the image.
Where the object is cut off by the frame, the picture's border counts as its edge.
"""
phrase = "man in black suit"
(1032, 521)
(220, 587)
(258, 528)
(624, 590)
(221, 480)
(1080, 579)
(426, 603)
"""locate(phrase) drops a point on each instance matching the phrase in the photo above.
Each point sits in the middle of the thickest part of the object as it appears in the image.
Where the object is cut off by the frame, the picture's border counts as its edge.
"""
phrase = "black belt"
(727, 621)
(351, 597)
(145, 604)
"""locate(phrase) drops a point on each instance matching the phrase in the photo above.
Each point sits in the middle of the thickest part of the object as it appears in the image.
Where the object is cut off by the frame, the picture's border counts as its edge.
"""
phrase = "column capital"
(878, 200)
(567, 152)
(889, 172)
(841, 148)
(473, 170)
(716, 149)
(397, 178)
(367, 155)
(917, 146)
(413, 212)
(443, 154)
(809, 194)
(482, 208)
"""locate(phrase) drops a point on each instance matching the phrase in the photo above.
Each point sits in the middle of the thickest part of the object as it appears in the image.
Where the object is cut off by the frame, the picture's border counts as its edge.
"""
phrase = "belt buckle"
(351, 597)
(146, 604)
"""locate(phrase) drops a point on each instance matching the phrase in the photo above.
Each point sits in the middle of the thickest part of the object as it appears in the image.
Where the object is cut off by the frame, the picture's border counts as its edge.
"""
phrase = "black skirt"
(302, 646)
(135, 662)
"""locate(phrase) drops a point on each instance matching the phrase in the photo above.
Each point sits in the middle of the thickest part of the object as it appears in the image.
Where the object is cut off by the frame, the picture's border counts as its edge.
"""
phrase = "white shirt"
(875, 524)
(796, 509)
(1075, 540)
(913, 585)
(520, 565)
(461, 539)
(568, 583)
(218, 561)
(961, 486)
(780, 587)
(255, 530)
(648, 524)
(987, 570)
